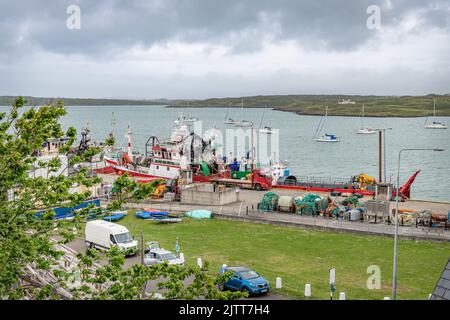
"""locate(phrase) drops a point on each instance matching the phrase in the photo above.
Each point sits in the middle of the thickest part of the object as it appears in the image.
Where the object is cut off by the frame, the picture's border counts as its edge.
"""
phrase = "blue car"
(245, 279)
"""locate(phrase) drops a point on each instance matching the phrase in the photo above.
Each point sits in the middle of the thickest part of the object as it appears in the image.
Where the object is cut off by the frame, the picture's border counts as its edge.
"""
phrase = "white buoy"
(278, 283)
(307, 290)
(386, 298)
(199, 262)
(341, 295)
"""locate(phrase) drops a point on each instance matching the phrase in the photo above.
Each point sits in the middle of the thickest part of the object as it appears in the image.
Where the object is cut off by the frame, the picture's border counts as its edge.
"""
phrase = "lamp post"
(394, 276)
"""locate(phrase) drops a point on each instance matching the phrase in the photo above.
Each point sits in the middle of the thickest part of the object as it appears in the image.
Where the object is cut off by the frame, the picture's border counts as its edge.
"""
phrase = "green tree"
(25, 240)
(29, 242)
(125, 189)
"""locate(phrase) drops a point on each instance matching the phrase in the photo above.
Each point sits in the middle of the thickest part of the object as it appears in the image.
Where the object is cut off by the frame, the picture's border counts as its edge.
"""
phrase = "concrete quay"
(246, 210)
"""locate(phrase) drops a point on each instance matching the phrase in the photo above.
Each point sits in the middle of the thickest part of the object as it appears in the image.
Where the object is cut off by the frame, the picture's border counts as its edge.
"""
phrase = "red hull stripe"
(136, 173)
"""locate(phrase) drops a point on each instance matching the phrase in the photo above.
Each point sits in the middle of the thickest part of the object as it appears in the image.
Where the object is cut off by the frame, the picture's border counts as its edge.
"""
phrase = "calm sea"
(353, 155)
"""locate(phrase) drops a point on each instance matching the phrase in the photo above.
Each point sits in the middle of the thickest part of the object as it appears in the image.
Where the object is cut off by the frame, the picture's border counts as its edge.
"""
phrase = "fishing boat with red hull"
(168, 159)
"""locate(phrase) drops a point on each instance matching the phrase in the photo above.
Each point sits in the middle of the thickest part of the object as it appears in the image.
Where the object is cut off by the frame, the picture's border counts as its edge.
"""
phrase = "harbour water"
(352, 155)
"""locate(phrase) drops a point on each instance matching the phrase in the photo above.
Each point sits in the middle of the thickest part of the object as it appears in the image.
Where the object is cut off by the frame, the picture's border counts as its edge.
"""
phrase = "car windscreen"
(168, 256)
(123, 237)
(249, 274)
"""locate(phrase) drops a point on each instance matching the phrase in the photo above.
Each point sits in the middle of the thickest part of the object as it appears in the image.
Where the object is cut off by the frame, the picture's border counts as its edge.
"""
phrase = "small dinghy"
(166, 219)
(148, 213)
(199, 214)
(115, 216)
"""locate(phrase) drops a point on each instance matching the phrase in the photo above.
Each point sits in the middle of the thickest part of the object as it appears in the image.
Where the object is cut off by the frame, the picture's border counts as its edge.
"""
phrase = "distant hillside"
(375, 106)
(38, 101)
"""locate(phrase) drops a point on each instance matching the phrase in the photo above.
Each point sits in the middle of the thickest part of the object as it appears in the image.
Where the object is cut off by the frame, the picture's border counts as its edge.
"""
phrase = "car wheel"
(245, 289)
(258, 187)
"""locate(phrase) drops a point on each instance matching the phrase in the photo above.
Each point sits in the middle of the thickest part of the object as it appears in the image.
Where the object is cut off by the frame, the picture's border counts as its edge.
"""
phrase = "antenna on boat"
(129, 140)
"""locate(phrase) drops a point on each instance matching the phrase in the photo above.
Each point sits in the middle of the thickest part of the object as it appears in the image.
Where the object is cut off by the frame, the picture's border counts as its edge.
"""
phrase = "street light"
(394, 277)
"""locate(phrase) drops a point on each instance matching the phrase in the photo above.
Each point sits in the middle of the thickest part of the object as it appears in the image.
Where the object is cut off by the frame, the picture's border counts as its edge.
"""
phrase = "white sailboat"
(265, 129)
(242, 122)
(324, 137)
(364, 130)
(435, 124)
(227, 119)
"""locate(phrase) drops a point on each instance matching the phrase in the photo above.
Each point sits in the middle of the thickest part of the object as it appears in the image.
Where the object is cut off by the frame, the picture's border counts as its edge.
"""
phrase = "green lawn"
(303, 256)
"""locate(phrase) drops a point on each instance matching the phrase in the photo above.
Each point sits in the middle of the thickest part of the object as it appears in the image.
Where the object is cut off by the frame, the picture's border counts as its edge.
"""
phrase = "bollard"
(386, 298)
(307, 290)
(341, 295)
(181, 256)
(199, 262)
(278, 283)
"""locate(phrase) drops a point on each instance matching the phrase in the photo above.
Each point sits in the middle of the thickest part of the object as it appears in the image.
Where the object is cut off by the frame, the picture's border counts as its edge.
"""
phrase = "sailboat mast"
(434, 107)
(228, 109)
(362, 117)
(262, 117)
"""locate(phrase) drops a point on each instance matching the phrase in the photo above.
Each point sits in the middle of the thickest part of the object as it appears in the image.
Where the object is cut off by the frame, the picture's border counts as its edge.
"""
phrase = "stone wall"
(208, 194)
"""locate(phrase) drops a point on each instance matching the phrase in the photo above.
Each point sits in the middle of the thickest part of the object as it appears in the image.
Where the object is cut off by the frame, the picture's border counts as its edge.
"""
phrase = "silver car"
(159, 255)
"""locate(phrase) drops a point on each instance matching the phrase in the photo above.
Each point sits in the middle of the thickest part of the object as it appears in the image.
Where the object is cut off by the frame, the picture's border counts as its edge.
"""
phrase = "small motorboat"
(243, 123)
(365, 130)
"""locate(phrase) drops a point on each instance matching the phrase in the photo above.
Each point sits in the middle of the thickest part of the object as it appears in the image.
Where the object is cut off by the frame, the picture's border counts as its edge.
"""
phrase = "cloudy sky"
(212, 48)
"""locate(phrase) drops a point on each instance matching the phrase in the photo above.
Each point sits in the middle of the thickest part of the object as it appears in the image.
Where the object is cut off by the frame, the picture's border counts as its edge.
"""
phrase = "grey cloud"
(112, 25)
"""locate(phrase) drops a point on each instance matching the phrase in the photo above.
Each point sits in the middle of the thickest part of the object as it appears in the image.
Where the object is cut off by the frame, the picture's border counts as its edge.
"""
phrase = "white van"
(102, 234)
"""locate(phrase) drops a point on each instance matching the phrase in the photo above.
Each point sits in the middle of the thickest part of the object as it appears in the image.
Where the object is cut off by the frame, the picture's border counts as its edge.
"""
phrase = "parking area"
(79, 246)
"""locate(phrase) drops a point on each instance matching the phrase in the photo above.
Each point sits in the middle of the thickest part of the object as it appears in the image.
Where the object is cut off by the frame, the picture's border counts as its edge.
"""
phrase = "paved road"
(79, 246)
